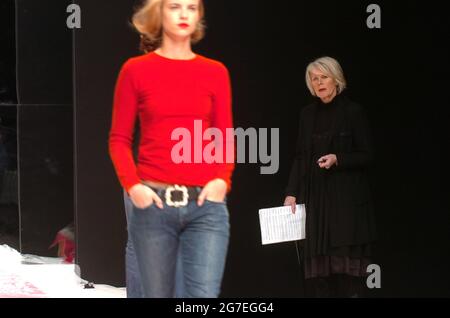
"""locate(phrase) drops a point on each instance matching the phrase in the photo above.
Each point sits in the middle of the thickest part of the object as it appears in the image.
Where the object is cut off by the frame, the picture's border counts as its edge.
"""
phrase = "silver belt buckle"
(177, 204)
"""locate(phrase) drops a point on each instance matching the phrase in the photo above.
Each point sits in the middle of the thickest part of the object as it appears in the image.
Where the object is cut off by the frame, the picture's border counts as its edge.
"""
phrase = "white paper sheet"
(281, 225)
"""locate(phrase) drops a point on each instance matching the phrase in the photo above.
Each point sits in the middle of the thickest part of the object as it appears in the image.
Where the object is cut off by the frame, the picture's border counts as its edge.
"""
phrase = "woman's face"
(180, 17)
(324, 86)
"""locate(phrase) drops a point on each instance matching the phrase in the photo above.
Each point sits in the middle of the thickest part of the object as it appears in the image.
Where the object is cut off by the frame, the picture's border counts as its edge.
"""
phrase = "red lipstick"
(183, 25)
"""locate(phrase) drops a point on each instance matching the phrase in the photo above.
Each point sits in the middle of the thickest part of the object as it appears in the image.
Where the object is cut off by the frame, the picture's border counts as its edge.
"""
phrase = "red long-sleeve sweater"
(167, 94)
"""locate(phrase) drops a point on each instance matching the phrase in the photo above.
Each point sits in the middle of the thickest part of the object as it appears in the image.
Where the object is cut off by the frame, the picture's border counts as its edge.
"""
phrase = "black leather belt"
(177, 196)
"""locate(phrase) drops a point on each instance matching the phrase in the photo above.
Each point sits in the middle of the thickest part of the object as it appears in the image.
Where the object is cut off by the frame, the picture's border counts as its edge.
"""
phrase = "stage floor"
(30, 276)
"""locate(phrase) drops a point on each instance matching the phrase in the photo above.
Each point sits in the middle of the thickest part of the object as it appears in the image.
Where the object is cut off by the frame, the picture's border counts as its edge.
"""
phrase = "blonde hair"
(330, 67)
(147, 20)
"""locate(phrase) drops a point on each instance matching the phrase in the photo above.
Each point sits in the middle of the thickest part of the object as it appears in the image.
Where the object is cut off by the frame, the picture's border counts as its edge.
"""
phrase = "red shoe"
(66, 243)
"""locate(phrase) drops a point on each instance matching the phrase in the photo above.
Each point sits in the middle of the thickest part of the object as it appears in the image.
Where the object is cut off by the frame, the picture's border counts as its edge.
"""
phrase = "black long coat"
(351, 221)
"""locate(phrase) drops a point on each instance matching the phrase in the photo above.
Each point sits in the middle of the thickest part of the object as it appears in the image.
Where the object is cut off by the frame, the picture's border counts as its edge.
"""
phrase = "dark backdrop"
(399, 73)
(44, 122)
(36, 115)
(9, 210)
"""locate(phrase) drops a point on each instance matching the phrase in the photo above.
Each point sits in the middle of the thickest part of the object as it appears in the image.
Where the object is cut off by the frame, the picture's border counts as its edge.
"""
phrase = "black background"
(44, 121)
(399, 73)
(36, 112)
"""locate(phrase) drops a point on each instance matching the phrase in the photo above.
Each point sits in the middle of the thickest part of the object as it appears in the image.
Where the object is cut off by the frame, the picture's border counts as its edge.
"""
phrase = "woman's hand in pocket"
(143, 197)
(215, 191)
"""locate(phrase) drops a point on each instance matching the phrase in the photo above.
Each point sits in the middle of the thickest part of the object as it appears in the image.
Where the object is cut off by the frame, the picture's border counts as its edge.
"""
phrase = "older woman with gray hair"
(329, 176)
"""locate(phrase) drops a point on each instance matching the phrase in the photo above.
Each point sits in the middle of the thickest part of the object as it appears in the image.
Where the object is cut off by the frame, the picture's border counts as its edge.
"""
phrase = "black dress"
(321, 258)
(340, 228)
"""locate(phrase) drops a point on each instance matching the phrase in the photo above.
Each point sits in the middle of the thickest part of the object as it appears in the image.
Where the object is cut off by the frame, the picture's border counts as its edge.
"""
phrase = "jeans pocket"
(216, 202)
(143, 209)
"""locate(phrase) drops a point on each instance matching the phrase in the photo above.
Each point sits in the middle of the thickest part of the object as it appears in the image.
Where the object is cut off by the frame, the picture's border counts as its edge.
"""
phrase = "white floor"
(30, 276)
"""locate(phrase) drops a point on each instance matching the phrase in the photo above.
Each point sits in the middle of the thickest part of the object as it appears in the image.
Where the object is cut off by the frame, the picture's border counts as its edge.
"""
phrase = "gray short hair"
(329, 66)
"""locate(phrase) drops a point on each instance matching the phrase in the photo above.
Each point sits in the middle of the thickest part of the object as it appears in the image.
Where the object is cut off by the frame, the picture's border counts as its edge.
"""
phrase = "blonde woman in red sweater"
(179, 214)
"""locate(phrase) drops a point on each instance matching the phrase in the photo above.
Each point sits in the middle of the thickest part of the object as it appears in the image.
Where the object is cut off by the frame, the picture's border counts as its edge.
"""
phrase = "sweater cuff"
(290, 193)
(129, 183)
(340, 161)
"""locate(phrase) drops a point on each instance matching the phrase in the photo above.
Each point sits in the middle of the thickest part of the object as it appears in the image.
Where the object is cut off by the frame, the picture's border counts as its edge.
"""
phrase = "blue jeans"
(179, 252)
(133, 279)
